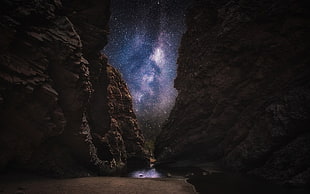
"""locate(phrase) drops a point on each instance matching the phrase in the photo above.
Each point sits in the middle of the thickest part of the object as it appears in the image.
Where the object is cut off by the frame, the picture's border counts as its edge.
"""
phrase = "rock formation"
(64, 111)
(243, 84)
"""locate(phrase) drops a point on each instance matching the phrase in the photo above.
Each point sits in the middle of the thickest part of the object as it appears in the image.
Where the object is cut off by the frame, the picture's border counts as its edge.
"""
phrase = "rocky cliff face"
(243, 82)
(64, 111)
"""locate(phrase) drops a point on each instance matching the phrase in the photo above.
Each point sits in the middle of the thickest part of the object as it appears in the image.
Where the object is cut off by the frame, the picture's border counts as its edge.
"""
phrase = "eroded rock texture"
(63, 110)
(243, 83)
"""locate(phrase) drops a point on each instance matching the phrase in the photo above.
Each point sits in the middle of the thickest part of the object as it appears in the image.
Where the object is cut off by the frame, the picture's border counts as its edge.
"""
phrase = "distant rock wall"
(63, 110)
(243, 82)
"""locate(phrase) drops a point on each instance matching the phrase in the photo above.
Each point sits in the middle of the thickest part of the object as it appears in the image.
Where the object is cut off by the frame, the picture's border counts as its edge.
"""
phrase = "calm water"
(225, 183)
(219, 182)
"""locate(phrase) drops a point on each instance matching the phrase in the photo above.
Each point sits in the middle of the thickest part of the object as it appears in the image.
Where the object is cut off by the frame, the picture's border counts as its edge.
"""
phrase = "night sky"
(143, 44)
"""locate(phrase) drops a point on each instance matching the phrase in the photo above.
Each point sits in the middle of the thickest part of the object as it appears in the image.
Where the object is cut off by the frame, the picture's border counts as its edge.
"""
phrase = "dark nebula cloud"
(143, 44)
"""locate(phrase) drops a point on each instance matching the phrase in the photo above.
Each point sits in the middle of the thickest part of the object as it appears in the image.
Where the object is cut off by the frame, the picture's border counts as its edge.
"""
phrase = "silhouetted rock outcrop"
(63, 110)
(243, 83)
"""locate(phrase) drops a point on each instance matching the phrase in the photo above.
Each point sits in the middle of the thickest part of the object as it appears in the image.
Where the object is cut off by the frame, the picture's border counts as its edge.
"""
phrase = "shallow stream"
(217, 182)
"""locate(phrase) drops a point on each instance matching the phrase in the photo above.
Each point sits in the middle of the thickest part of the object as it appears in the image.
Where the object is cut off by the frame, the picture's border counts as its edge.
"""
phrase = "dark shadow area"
(229, 183)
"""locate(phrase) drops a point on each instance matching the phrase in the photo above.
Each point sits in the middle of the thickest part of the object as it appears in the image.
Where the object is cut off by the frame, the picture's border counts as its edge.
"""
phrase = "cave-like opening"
(143, 44)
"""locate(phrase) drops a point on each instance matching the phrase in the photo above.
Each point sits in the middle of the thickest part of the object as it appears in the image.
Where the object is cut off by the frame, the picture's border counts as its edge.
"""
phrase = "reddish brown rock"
(54, 85)
(243, 83)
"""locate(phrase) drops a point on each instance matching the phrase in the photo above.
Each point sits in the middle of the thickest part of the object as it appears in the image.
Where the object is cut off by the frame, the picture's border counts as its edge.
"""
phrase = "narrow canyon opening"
(143, 45)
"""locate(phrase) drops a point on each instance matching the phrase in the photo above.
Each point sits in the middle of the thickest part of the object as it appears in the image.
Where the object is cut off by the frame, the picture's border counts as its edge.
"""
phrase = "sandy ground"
(93, 185)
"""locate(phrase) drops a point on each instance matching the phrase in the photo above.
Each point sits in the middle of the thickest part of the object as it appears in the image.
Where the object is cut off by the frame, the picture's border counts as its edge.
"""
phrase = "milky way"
(143, 44)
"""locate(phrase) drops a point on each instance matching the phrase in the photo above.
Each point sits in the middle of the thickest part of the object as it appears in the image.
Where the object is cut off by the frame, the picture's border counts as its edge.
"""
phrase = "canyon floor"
(214, 183)
(36, 185)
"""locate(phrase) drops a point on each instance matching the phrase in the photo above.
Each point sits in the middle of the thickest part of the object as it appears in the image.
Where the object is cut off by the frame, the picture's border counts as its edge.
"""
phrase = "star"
(143, 45)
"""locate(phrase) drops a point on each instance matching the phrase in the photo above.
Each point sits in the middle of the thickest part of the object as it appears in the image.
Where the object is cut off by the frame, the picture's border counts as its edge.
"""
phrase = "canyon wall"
(243, 81)
(64, 111)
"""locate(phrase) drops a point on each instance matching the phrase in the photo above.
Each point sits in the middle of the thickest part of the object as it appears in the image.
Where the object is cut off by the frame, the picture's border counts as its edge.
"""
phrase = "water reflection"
(147, 173)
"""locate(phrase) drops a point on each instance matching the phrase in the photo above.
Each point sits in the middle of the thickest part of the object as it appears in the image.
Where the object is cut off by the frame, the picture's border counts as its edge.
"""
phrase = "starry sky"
(143, 44)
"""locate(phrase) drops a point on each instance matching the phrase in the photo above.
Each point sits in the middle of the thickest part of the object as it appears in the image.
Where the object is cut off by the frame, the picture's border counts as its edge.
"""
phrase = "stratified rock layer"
(63, 110)
(243, 83)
